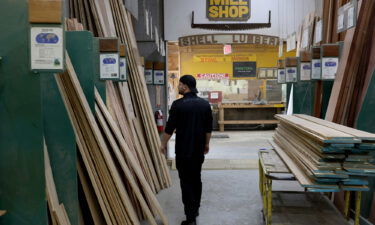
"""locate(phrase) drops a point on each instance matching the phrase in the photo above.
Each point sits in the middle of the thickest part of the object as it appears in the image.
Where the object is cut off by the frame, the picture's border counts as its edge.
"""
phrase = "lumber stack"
(111, 19)
(108, 167)
(325, 156)
(355, 68)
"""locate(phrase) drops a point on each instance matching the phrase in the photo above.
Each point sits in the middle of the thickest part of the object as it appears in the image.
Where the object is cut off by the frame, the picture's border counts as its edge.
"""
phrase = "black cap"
(189, 80)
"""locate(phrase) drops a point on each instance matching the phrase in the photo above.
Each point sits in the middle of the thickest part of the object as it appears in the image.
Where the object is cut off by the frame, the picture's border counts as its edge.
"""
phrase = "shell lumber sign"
(228, 10)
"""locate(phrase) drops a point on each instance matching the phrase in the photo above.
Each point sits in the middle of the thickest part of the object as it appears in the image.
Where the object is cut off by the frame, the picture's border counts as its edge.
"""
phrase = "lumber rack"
(272, 168)
(222, 106)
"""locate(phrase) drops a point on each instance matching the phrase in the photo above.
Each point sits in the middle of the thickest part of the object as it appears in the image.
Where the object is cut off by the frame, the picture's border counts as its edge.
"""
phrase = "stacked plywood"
(323, 155)
(108, 166)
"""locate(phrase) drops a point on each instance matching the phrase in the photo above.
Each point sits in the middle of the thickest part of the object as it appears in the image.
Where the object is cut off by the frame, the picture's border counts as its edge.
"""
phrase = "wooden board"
(45, 11)
(248, 122)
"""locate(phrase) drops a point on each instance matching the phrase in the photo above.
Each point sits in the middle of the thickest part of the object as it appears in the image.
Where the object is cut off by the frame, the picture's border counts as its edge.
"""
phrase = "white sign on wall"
(305, 71)
(47, 48)
(109, 66)
(291, 74)
(329, 68)
(281, 76)
(316, 69)
(148, 76)
(159, 77)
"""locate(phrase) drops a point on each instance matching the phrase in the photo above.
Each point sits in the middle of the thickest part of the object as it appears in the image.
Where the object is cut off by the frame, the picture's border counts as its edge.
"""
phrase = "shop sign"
(228, 10)
(212, 76)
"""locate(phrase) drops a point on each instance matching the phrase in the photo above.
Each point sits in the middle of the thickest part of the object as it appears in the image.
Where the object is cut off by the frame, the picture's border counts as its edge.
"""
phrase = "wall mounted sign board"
(244, 69)
(214, 39)
(149, 76)
(219, 10)
(109, 66)
(47, 48)
(159, 77)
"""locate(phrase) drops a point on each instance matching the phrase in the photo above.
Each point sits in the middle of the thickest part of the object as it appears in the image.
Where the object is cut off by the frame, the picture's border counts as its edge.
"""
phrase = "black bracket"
(231, 26)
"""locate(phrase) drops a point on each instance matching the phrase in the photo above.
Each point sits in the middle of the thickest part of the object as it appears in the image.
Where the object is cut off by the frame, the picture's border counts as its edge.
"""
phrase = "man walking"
(191, 118)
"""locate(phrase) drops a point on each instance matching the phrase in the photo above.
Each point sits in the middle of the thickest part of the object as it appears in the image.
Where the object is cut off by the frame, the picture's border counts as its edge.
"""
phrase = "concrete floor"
(239, 151)
(230, 197)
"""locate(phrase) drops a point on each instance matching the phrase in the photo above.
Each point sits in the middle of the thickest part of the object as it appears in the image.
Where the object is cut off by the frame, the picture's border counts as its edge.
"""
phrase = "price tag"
(109, 66)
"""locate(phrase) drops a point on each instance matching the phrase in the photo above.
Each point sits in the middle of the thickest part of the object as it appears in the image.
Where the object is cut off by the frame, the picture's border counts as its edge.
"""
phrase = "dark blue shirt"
(191, 117)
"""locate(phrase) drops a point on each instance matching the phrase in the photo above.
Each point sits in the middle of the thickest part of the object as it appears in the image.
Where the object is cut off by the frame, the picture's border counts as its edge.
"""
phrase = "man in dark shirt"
(191, 118)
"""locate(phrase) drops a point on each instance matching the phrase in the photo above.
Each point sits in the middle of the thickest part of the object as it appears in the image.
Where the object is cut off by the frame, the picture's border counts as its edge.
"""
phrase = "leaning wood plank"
(351, 131)
(149, 194)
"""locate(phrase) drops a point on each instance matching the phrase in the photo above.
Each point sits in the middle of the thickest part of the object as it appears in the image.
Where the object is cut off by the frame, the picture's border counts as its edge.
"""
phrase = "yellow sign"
(216, 58)
(224, 10)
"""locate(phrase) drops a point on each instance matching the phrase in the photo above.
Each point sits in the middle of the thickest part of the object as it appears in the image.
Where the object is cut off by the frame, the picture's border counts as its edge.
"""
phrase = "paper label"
(291, 74)
(340, 22)
(316, 70)
(305, 38)
(351, 17)
(159, 77)
(329, 68)
(281, 76)
(47, 48)
(305, 68)
(109, 66)
(214, 95)
(148, 76)
(123, 76)
(318, 32)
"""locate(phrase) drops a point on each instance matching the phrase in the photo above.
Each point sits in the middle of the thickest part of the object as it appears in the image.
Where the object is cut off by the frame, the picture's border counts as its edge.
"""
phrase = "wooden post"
(221, 118)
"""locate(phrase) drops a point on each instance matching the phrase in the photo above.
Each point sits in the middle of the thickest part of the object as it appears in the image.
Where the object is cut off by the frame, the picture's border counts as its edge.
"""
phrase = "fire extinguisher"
(159, 120)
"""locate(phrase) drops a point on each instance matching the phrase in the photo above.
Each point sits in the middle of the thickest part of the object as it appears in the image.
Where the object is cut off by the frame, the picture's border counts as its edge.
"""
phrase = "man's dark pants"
(189, 171)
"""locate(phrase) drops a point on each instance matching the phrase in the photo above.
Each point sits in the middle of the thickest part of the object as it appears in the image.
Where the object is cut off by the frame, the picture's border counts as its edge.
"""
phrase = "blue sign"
(109, 61)
(47, 38)
(330, 64)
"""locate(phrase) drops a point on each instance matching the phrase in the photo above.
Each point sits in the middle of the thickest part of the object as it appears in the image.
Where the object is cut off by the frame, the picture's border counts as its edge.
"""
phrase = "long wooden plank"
(351, 131)
(248, 122)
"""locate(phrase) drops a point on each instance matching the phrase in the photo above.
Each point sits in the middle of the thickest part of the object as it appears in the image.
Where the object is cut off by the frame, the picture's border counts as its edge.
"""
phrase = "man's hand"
(163, 149)
(206, 149)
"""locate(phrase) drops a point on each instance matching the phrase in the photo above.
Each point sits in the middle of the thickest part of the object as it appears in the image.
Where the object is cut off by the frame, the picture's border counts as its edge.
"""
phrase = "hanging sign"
(148, 76)
(316, 69)
(281, 76)
(291, 43)
(305, 71)
(291, 74)
(109, 66)
(227, 49)
(228, 10)
(123, 69)
(329, 68)
(159, 77)
(305, 38)
(47, 48)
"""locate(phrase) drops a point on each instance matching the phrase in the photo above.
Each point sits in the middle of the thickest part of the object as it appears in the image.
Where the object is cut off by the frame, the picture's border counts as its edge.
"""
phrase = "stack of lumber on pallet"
(325, 156)
(57, 212)
(108, 166)
(355, 68)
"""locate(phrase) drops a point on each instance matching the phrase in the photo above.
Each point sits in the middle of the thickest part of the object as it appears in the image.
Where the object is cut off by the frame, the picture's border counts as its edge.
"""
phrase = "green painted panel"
(79, 45)
(303, 97)
(22, 180)
(99, 84)
(327, 89)
(366, 122)
(61, 144)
